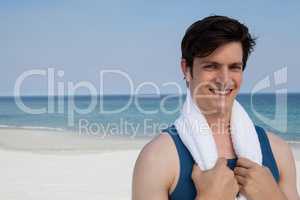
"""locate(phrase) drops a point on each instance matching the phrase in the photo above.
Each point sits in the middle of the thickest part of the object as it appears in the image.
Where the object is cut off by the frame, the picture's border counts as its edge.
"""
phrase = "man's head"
(214, 55)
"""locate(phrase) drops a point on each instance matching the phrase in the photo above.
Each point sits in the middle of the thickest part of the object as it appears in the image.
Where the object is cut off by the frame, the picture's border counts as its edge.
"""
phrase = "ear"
(185, 69)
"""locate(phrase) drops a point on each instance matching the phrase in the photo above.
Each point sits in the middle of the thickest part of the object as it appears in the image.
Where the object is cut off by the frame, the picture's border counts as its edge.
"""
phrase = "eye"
(210, 66)
(236, 67)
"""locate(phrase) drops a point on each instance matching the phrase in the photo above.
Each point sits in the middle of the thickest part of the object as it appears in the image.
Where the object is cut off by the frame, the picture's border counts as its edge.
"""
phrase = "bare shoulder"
(158, 152)
(286, 165)
(154, 169)
(282, 151)
(158, 145)
(280, 147)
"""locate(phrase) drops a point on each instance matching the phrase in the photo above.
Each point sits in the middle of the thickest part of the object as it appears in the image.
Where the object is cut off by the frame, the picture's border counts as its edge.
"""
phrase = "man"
(214, 55)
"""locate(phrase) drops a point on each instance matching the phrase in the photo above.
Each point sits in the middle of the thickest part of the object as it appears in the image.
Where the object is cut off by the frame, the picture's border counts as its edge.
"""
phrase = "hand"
(256, 182)
(217, 183)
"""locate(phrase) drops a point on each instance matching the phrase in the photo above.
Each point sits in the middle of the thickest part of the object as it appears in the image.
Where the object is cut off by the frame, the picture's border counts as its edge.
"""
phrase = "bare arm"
(152, 177)
(286, 164)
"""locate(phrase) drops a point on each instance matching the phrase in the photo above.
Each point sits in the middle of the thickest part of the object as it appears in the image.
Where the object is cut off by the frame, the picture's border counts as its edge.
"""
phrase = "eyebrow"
(216, 63)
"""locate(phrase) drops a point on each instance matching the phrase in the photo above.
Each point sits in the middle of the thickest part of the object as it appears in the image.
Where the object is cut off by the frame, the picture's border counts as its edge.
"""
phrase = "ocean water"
(137, 116)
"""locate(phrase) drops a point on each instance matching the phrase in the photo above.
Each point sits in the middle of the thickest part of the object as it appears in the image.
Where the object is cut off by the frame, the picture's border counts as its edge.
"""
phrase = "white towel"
(196, 135)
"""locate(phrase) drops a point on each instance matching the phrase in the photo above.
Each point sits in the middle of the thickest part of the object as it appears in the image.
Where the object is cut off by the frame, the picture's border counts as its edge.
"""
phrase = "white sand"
(90, 176)
(298, 175)
(33, 168)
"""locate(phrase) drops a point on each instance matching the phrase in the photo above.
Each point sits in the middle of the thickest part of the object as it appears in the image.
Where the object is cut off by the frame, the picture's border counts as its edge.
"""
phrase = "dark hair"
(206, 35)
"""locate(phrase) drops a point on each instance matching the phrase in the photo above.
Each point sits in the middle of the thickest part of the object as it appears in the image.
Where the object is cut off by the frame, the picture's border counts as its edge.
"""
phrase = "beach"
(50, 165)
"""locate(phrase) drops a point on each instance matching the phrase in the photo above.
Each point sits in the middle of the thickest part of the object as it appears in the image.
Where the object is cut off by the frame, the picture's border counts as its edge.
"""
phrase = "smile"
(221, 92)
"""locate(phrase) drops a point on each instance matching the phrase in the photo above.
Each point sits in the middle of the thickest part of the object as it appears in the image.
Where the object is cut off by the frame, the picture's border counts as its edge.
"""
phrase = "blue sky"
(141, 38)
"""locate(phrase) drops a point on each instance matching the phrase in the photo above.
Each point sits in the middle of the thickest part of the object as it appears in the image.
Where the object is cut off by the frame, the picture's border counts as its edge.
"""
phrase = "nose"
(223, 78)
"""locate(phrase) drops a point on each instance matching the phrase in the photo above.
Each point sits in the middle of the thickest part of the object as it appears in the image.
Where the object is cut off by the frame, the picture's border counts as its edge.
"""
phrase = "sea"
(137, 116)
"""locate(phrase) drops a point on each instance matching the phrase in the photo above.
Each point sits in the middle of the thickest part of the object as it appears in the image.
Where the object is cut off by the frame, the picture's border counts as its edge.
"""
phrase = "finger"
(240, 186)
(221, 162)
(241, 171)
(241, 180)
(236, 185)
(245, 162)
(197, 170)
(196, 173)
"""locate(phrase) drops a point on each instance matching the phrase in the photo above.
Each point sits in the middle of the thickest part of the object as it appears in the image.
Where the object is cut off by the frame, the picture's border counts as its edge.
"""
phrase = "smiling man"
(214, 55)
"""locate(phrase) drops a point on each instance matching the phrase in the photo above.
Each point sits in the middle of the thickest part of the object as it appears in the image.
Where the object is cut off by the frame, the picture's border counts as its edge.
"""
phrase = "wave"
(57, 129)
(293, 141)
(32, 127)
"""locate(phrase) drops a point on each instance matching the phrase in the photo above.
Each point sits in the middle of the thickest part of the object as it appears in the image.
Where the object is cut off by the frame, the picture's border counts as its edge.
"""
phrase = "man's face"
(217, 79)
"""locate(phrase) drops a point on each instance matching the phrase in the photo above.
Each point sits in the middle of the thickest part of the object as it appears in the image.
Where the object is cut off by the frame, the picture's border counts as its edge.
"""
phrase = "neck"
(220, 127)
(219, 123)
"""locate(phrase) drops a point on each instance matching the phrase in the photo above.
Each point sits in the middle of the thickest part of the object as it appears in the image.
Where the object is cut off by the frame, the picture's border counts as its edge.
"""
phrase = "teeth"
(221, 92)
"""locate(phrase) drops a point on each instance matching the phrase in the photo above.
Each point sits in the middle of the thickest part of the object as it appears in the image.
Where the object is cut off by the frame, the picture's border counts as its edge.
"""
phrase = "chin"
(220, 107)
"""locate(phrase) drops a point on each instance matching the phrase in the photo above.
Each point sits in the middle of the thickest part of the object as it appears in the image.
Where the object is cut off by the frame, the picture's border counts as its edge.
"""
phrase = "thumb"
(197, 171)
(221, 162)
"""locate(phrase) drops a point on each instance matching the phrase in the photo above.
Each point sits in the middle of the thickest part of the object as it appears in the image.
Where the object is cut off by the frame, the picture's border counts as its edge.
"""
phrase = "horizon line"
(149, 94)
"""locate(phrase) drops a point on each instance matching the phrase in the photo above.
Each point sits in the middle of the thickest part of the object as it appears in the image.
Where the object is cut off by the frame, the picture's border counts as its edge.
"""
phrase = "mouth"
(225, 92)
